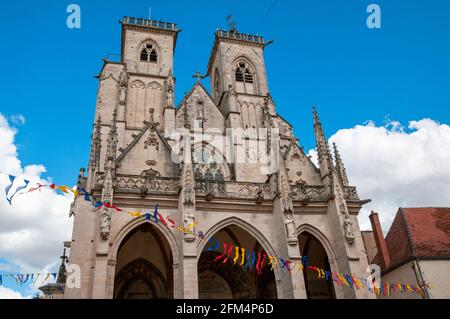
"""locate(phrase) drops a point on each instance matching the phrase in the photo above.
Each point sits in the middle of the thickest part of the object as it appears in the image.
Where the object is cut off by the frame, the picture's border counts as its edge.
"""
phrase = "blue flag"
(7, 188)
(17, 190)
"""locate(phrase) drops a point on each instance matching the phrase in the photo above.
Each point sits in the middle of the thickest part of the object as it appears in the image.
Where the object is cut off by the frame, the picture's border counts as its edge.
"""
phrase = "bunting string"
(252, 260)
(21, 279)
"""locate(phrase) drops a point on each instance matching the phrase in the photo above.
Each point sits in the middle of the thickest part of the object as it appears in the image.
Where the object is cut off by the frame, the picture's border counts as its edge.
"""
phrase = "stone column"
(190, 273)
(99, 289)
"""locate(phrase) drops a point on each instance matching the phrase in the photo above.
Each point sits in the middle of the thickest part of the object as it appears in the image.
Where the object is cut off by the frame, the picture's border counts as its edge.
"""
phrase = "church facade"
(222, 166)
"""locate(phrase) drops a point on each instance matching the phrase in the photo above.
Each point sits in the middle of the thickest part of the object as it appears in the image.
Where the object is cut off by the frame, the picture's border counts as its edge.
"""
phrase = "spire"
(187, 195)
(61, 279)
(340, 169)
(112, 140)
(323, 152)
(96, 144)
(110, 157)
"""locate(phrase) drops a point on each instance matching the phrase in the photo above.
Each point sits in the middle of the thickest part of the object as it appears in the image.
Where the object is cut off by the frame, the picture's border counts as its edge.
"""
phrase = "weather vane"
(231, 23)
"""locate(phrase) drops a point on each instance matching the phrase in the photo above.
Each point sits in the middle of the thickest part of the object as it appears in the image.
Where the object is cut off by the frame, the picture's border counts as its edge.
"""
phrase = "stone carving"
(152, 140)
(151, 173)
(154, 183)
(95, 145)
(310, 192)
(348, 225)
(252, 189)
(290, 227)
(123, 84)
(295, 156)
(150, 162)
(170, 90)
(351, 193)
(112, 262)
(189, 220)
(201, 109)
(107, 190)
(105, 223)
(211, 187)
(188, 196)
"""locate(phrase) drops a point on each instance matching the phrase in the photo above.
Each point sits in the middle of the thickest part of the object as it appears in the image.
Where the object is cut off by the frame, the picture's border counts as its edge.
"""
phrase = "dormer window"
(148, 54)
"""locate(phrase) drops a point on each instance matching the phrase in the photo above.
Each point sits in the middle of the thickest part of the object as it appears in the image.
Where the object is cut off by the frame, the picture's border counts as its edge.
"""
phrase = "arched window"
(149, 54)
(205, 167)
(244, 78)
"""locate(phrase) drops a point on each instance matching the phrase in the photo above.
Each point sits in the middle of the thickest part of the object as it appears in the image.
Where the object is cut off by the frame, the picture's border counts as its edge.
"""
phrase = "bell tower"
(148, 48)
(237, 59)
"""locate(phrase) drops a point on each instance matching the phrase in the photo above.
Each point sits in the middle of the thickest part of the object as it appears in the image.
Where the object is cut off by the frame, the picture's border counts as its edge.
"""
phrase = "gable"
(146, 152)
(299, 166)
(200, 107)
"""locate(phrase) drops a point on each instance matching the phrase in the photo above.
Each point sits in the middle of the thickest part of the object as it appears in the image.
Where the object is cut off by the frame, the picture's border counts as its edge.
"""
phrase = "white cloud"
(6, 293)
(33, 229)
(397, 166)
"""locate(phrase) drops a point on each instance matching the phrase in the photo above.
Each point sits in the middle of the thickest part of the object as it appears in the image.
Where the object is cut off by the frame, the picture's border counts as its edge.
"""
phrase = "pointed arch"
(150, 50)
(122, 236)
(315, 245)
(217, 157)
(307, 228)
(236, 221)
(237, 281)
(245, 75)
(135, 223)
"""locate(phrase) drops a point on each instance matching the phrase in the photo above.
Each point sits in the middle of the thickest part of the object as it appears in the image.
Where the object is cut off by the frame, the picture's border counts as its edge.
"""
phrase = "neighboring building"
(285, 207)
(416, 250)
(56, 290)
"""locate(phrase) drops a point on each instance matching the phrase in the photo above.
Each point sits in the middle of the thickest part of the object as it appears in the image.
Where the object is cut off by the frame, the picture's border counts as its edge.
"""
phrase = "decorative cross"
(198, 75)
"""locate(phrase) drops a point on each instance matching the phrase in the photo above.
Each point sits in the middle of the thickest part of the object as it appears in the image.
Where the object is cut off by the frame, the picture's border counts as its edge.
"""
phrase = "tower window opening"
(148, 54)
(243, 73)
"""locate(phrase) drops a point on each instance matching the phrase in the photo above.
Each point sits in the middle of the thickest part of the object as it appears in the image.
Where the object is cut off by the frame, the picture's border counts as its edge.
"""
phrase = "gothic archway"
(316, 288)
(144, 265)
(226, 279)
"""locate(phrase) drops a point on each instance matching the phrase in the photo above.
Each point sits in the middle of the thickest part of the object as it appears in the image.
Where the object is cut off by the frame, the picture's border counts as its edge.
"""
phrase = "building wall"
(370, 245)
(403, 275)
(436, 273)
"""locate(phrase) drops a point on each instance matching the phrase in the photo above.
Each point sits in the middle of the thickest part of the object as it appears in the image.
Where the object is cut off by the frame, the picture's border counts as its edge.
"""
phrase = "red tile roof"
(429, 229)
(418, 232)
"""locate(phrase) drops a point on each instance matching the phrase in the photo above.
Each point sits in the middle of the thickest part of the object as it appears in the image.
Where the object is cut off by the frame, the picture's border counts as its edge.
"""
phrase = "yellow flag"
(135, 214)
(236, 256)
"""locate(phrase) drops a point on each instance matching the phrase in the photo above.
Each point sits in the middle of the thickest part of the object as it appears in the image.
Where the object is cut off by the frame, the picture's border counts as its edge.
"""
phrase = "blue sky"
(323, 54)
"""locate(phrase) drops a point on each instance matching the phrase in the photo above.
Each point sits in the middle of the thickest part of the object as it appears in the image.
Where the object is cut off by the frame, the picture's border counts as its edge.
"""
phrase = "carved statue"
(200, 109)
(348, 229)
(290, 226)
(348, 225)
(123, 80)
(107, 189)
(105, 223)
(123, 94)
(170, 89)
(189, 219)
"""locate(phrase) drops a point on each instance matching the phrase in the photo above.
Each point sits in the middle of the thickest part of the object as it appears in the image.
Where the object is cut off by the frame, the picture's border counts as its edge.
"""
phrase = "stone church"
(268, 197)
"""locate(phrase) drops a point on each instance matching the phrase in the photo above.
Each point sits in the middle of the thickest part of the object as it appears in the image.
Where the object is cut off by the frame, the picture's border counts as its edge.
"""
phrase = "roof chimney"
(379, 240)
